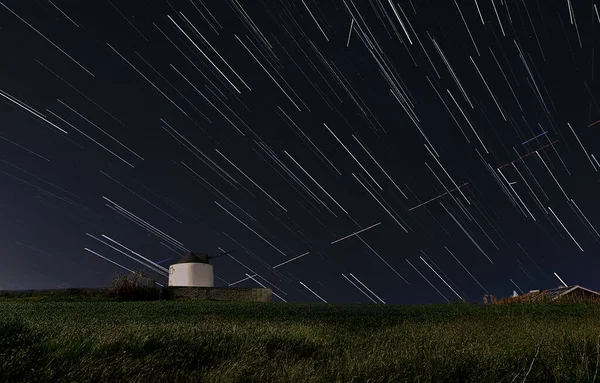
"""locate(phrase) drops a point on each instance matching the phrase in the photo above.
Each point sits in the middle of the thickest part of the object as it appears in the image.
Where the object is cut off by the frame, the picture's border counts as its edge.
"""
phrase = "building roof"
(193, 258)
(555, 293)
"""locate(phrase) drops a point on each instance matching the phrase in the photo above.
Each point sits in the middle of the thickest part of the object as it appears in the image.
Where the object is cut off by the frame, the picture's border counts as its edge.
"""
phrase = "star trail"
(346, 151)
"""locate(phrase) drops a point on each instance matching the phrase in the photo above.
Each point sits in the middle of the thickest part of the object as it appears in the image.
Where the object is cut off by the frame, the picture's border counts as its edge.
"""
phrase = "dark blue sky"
(195, 116)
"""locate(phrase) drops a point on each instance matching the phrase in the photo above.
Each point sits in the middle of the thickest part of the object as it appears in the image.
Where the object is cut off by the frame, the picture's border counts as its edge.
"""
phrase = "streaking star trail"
(421, 148)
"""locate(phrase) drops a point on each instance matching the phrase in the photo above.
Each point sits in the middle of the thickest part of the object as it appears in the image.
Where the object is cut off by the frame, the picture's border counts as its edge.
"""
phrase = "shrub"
(135, 287)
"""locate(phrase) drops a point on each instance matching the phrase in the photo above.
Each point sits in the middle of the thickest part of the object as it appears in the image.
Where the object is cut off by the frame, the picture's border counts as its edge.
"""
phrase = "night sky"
(457, 139)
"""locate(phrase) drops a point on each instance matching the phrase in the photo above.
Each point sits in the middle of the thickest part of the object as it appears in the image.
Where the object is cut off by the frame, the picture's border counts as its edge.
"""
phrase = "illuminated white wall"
(191, 274)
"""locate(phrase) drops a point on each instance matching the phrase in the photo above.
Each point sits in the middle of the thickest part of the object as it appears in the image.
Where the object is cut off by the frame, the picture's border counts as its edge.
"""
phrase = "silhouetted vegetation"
(188, 341)
(135, 287)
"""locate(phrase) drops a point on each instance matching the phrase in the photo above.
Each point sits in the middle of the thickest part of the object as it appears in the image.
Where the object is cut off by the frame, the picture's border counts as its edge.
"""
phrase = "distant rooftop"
(556, 292)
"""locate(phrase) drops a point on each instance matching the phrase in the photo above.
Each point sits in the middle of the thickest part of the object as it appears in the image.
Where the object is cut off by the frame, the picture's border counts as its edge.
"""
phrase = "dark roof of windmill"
(193, 258)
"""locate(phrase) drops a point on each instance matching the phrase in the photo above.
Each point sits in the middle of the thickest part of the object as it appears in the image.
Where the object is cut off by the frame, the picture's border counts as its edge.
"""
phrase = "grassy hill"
(186, 341)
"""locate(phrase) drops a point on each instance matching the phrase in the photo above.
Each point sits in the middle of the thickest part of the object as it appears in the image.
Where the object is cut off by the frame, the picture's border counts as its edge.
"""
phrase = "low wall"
(71, 292)
(221, 293)
(171, 292)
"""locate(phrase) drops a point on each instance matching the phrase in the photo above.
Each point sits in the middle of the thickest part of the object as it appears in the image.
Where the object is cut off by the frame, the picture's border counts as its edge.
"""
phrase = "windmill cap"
(193, 258)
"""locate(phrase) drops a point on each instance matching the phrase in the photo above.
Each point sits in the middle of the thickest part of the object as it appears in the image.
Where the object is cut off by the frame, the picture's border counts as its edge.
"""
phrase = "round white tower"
(192, 270)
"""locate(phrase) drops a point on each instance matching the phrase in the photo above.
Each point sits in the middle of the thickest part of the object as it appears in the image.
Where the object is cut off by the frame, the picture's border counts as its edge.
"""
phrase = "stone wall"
(68, 293)
(200, 293)
(222, 293)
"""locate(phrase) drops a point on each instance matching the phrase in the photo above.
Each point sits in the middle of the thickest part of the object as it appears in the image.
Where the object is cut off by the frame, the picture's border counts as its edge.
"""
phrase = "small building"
(192, 270)
(574, 292)
(192, 277)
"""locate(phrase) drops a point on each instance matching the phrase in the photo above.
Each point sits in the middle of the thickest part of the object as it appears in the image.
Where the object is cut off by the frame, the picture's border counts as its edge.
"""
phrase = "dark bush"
(135, 287)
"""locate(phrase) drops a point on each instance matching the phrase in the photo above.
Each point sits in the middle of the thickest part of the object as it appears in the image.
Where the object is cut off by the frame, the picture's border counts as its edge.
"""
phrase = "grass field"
(185, 341)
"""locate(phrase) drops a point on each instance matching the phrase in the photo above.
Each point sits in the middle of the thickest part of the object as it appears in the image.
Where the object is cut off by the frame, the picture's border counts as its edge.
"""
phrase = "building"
(192, 277)
(192, 270)
(574, 292)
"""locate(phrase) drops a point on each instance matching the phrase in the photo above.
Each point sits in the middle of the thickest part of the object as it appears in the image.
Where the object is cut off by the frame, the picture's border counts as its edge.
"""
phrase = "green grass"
(187, 341)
